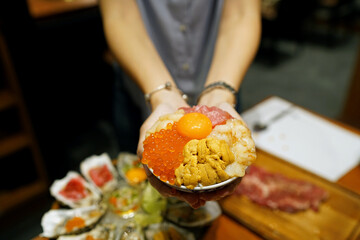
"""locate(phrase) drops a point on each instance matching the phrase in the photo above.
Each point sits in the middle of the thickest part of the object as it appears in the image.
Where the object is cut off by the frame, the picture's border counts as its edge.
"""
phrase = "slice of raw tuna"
(215, 114)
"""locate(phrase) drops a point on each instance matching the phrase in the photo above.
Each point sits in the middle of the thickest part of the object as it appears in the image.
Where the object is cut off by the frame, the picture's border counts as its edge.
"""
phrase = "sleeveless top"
(184, 33)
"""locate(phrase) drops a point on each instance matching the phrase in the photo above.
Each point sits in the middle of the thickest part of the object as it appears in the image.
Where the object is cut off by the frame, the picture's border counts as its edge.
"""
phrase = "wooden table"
(230, 224)
(227, 227)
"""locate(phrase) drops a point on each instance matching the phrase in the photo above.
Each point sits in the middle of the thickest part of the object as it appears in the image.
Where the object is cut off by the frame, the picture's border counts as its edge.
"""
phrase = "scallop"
(59, 222)
(237, 135)
(99, 170)
(74, 191)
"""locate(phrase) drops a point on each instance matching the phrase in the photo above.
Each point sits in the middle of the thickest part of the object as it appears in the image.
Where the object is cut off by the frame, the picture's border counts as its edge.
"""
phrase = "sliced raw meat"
(279, 192)
(100, 175)
(215, 114)
(74, 189)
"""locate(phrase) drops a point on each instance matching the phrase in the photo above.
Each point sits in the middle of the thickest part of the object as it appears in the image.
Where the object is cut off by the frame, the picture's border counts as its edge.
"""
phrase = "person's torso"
(184, 33)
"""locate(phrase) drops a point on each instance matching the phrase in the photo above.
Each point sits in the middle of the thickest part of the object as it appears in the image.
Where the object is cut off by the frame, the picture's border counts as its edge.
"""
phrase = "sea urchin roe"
(204, 163)
(163, 152)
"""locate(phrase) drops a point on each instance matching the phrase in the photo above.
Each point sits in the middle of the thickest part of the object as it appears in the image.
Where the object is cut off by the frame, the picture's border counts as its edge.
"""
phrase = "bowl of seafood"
(198, 149)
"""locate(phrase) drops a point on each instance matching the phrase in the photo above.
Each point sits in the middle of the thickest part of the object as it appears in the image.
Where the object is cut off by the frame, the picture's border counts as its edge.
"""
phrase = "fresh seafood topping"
(194, 125)
(74, 223)
(238, 137)
(58, 222)
(163, 147)
(74, 189)
(100, 175)
(163, 152)
(136, 175)
(124, 201)
(204, 163)
(130, 167)
(99, 170)
(215, 114)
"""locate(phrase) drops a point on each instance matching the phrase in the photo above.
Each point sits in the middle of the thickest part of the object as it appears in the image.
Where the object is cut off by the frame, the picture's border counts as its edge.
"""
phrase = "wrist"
(216, 97)
(165, 93)
(173, 96)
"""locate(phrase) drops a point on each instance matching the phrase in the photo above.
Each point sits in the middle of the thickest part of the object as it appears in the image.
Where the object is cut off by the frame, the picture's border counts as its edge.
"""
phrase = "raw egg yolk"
(194, 125)
(136, 175)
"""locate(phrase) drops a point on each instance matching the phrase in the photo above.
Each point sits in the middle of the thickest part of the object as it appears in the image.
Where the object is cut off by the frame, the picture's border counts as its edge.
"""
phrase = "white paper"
(304, 139)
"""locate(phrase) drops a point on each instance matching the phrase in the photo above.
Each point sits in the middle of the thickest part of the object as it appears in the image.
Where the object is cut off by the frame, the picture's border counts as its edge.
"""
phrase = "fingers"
(160, 110)
(140, 148)
(221, 193)
(230, 109)
(161, 187)
(193, 199)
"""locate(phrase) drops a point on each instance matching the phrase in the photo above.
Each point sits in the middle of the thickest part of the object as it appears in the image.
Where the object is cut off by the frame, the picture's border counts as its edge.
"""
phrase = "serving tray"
(338, 217)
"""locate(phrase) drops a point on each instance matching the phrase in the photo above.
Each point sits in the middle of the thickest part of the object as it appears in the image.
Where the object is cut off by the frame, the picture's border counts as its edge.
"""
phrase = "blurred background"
(57, 88)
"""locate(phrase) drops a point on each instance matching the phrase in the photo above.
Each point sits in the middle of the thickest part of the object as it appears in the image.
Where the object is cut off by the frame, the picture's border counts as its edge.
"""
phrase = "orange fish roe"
(75, 222)
(163, 152)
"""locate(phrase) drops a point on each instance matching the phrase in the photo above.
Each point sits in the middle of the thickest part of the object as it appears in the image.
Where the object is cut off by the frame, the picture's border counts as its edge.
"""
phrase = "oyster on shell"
(100, 232)
(124, 201)
(74, 191)
(130, 231)
(125, 162)
(99, 170)
(58, 222)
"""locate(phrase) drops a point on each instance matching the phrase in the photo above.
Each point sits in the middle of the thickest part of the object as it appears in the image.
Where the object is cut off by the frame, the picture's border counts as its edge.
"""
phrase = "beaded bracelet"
(166, 86)
(217, 85)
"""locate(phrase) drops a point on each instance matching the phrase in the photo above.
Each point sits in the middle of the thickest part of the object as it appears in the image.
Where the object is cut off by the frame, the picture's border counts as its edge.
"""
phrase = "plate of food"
(107, 200)
(198, 149)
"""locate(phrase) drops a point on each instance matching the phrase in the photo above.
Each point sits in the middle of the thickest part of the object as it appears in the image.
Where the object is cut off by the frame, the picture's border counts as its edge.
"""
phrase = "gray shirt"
(184, 33)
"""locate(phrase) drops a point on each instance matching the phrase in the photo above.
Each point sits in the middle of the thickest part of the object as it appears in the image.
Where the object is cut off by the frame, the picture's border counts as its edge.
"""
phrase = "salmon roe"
(75, 222)
(163, 152)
